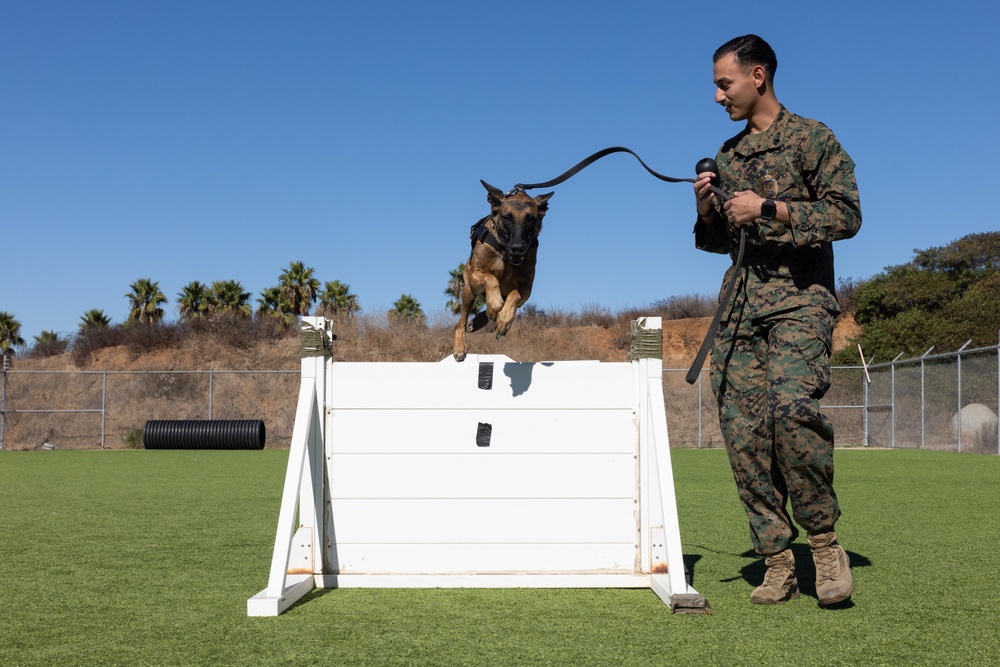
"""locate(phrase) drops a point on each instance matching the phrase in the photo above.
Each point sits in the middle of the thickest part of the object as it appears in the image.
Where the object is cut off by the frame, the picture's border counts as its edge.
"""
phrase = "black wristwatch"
(768, 210)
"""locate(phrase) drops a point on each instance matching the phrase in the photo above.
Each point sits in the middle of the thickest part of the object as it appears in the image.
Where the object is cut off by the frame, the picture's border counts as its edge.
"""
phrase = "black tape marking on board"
(483, 434)
(486, 375)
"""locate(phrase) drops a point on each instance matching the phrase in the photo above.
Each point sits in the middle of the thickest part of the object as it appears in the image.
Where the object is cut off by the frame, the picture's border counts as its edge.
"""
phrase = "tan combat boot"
(779, 584)
(834, 582)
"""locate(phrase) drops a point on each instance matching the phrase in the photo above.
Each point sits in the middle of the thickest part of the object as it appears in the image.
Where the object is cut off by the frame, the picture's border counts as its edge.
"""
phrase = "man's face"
(735, 89)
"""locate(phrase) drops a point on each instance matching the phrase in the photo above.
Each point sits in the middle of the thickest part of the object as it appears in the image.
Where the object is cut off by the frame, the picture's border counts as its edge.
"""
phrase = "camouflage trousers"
(768, 376)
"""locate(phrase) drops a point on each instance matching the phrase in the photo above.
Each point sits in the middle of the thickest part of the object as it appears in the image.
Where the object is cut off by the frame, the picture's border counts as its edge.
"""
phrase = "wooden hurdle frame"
(485, 473)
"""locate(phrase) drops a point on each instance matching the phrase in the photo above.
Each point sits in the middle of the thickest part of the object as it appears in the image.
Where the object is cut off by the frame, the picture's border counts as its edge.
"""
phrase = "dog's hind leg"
(461, 349)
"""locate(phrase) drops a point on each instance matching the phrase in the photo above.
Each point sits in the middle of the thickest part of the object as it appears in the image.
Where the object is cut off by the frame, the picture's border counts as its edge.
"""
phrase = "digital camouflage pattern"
(771, 357)
(768, 376)
(800, 162)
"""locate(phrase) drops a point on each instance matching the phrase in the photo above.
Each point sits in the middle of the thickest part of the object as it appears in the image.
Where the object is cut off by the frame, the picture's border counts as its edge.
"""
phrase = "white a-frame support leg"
(297, 555)
(668, 576)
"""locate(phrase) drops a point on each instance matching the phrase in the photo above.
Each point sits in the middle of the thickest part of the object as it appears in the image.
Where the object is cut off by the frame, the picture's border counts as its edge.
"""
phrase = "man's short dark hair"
(750, 50)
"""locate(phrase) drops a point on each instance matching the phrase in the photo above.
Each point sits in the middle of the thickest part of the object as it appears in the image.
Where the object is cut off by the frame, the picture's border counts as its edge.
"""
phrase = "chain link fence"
(693, 420)
(109, 409)
(941, 402)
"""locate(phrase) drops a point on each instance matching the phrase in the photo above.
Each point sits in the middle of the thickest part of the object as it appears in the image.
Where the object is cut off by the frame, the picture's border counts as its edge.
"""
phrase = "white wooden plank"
(484, 558)
(483, 475)
(390, 431)
(442, 521)
(527, 580)
(421, 385)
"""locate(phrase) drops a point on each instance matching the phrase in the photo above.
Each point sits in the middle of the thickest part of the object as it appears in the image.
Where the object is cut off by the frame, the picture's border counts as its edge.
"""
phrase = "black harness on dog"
(481, 233)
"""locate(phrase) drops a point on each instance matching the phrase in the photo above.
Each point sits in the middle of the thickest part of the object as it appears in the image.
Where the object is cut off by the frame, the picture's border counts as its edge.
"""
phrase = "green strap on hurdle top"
(646, 343)
(316, 342)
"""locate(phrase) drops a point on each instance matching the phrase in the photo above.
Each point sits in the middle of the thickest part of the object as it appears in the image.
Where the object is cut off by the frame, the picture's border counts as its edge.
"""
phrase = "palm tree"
(93, 319)
(48, 343)
(298, 288)
(145, 300)
(46, 337)
(407, 309)
(194, 300)
(228, 297)
(271, 304)
(10, 334)
(337, 301)
(456, 283)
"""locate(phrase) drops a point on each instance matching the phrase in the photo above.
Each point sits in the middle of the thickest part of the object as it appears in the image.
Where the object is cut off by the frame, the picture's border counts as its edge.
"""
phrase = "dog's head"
(517, 218)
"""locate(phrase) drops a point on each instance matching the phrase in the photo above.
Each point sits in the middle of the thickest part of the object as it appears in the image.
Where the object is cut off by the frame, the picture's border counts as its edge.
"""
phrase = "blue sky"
(213, 140)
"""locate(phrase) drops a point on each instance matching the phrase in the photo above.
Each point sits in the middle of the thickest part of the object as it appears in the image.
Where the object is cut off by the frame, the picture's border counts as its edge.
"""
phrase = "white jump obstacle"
(481, 474)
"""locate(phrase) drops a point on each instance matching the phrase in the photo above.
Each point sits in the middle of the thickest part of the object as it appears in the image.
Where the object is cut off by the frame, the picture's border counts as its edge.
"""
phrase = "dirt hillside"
(681, 339)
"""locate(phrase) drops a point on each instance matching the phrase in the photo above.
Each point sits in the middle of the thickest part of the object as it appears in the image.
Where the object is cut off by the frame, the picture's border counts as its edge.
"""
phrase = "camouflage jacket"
(800, 162)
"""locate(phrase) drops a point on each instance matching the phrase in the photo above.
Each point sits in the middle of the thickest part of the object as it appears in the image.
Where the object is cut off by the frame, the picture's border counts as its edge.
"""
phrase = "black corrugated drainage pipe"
(204, 434)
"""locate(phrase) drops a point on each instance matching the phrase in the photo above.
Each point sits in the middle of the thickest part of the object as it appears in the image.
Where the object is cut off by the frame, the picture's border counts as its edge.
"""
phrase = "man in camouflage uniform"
(792, 191)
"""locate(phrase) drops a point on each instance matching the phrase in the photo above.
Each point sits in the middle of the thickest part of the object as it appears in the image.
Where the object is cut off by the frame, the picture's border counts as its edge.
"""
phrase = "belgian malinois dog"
(501, 267)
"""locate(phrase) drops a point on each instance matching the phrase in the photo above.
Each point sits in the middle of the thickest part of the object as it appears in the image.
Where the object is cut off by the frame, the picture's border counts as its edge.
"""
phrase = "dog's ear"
(542, 201)
(494, 196)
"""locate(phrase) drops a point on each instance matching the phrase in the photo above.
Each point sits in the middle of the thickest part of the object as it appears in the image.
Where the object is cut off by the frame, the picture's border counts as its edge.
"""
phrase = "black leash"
(704, 165)
(586, 162)
(591, 159)
(706, 345)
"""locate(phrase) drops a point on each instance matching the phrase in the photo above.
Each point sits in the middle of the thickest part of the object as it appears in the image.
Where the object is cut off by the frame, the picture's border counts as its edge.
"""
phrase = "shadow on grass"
(312, 595)
(689, 561)
(805, 570)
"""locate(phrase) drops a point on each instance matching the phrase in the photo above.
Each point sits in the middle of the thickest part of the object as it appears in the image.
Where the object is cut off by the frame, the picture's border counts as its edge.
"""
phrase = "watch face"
(768, 210)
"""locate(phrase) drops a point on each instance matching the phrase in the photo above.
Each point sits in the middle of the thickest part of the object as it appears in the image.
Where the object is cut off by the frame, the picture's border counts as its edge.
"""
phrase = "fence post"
(864, 384)
(3, 404)
(923, 401)
(893, 367)
(104, 405)
(958, 415)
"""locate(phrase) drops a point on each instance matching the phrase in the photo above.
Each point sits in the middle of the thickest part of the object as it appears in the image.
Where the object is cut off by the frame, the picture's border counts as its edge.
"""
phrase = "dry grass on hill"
(375, 339)
(136, 398)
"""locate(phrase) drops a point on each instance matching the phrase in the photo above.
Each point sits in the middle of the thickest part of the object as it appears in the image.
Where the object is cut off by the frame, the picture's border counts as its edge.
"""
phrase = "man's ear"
(759, 75)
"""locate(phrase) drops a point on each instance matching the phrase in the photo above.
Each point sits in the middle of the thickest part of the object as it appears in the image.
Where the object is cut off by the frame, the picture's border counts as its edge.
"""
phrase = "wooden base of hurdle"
(485, 473)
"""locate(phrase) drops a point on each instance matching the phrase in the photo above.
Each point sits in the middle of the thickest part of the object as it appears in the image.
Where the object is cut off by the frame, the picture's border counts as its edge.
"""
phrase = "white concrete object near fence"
(485, 473)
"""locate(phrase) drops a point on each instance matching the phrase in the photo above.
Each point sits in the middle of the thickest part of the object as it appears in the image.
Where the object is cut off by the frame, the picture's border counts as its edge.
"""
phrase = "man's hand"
(703, 193)
(742, 208)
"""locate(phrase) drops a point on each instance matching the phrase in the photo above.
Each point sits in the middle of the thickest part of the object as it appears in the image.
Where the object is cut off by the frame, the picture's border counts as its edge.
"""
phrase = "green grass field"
(148, 558)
